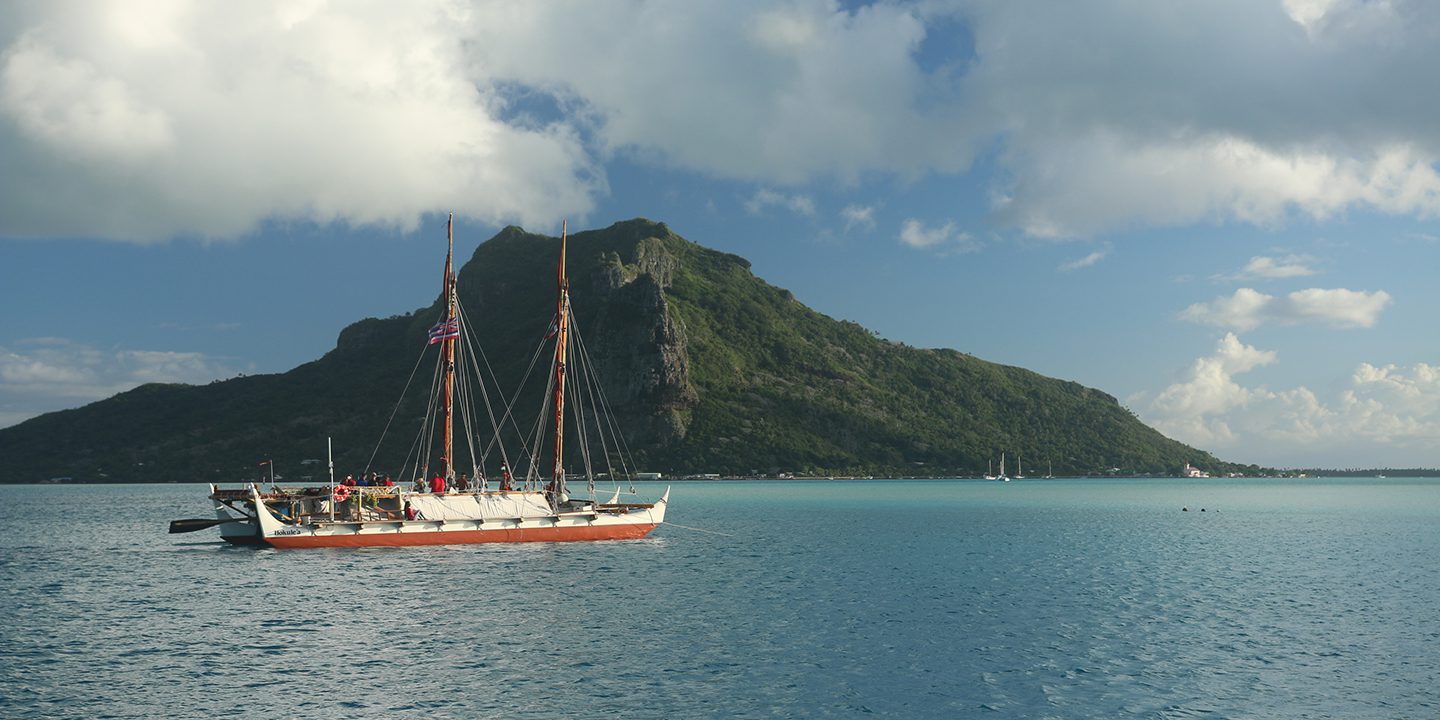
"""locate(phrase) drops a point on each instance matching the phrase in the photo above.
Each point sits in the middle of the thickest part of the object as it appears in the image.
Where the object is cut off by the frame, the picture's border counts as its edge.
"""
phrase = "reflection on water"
(1059, 599)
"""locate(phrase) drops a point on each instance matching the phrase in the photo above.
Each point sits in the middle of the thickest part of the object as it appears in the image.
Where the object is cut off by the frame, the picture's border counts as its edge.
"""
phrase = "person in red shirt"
(437, 485)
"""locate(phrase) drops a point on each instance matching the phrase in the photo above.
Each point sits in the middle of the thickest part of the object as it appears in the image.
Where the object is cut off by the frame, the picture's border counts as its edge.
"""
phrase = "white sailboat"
(345, 515)
(1019, 470)
(1002, 477)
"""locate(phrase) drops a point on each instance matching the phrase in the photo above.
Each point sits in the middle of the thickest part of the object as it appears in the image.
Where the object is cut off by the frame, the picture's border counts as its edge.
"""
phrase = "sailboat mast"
(562, 330)
(447, 466)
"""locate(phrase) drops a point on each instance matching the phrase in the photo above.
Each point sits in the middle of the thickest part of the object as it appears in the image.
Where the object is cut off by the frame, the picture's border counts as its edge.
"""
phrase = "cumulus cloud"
(941, 238)
(743, 89)
(40, 374)
(1086, 261)
(1385, 415)
(1160, 126)
(1261, 267)
(1196, 409)
(858, 216)
(764, 198)
(1248, 308)
(145, 119)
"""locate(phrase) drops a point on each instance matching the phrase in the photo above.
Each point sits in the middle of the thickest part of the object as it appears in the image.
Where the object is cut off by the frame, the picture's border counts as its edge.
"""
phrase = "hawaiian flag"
(444, 330)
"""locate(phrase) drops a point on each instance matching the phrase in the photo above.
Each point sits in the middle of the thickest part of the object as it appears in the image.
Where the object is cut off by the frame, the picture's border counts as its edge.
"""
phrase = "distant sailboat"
(1002, 477)
(1019, 471)
(990, 470)
(1049, 470)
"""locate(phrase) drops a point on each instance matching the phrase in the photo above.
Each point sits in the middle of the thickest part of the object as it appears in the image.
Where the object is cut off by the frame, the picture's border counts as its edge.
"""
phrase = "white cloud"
(765, 198)
(44, 373)
(1385, 416)
(858, 216)
(742, 89)
(1269, 268)
(1086, 261)
(1248, 309)
(1163, 125)
(942, 238)
(145, 119)
(1195, 410)
(1308, 13)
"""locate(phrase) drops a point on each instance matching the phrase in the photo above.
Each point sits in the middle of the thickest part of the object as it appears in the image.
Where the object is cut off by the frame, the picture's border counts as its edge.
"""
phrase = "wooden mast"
(447, 466)
(562, 329)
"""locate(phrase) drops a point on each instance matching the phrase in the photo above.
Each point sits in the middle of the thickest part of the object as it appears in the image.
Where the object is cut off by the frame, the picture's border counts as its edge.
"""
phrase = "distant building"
(647, 476)
(1194, 472)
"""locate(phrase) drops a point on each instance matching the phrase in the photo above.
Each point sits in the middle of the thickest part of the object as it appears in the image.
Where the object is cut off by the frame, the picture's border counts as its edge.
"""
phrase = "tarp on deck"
(487, 506)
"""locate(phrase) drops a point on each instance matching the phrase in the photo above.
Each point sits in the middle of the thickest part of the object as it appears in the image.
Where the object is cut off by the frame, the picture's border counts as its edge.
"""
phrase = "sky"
(1222, 213)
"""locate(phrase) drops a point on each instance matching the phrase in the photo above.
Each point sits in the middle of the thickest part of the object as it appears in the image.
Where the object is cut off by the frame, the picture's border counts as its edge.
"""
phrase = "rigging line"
(700, 530)
(542, 422)
(396, 409)
(417, 447)
(627, 457)
(464, 403)
(504, 457)
(475, 358)
(469, 392)
(467, 400)
(586, 381)
(526, 450)
(432, 420)
(591, 380)
(577, 416)
(586, 384)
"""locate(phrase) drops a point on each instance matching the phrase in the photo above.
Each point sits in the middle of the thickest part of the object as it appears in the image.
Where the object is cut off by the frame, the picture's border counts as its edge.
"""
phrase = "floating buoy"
(1184, 509)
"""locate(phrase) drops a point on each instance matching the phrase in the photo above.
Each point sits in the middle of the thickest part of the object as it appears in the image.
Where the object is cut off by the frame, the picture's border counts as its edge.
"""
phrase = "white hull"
(449, 519)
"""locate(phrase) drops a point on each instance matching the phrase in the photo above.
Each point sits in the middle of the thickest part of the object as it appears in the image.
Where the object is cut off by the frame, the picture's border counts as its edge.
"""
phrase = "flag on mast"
(445, 329)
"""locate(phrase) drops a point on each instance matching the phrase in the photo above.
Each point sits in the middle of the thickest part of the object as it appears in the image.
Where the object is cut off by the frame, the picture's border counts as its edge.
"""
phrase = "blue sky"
(1222, 213)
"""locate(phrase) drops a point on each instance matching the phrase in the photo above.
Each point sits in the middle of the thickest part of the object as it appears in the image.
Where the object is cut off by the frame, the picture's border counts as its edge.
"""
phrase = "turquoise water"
(1033, 599)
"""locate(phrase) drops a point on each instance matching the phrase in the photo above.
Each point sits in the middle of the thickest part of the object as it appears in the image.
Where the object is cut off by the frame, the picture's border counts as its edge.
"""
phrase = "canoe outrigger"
(342, 515)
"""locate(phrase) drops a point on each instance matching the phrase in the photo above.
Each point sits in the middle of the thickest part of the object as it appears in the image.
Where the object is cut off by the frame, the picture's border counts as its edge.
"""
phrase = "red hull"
(465, 537)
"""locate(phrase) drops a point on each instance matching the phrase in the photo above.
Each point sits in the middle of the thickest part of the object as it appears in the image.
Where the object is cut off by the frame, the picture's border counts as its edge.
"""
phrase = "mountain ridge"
(708, 367)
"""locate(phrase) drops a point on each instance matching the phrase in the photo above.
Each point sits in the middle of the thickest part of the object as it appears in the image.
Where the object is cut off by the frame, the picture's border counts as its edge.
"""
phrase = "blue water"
(1034, 599)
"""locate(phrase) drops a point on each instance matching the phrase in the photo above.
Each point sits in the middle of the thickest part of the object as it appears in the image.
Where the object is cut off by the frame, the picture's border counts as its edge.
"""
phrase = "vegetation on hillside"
(711, 370)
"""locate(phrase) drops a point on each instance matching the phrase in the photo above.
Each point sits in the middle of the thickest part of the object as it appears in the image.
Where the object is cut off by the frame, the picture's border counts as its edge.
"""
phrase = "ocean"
(1088, 598)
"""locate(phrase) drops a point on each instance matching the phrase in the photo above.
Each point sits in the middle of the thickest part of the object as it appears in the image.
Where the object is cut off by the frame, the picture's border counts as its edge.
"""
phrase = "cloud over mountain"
(143, 120)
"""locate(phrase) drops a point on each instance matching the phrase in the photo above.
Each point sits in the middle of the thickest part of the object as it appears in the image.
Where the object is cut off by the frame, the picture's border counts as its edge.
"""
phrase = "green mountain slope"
(708, 368)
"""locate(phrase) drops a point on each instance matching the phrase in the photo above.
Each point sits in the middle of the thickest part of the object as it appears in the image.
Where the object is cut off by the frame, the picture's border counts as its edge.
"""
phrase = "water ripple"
(1094, 599)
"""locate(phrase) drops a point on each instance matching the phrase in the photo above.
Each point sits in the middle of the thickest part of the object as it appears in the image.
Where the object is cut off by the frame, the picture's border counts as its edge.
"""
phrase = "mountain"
(707, 367)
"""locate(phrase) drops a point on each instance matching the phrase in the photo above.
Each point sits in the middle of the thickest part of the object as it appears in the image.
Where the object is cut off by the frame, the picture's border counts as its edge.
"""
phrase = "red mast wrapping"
(447, 466)
(562, 329)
